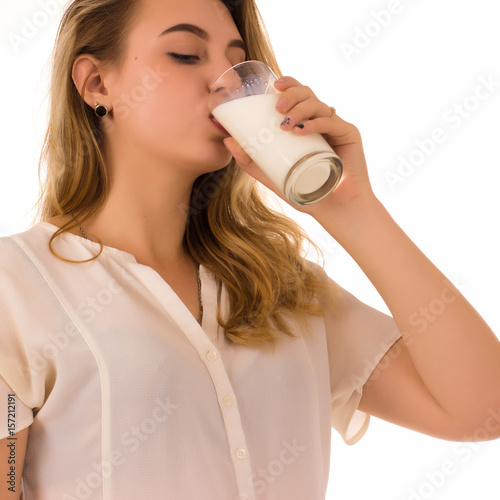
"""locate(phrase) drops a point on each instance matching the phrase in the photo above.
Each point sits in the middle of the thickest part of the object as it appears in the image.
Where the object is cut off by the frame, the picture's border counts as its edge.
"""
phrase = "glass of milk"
(304, 167)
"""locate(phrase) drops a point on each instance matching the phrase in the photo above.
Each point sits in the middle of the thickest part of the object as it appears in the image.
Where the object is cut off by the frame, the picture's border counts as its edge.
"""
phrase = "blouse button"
(241, 453)
(211, 355)
(227, 400)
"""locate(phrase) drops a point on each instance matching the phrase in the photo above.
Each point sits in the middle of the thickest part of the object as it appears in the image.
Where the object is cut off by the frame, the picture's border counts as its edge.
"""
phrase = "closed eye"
(184, 58)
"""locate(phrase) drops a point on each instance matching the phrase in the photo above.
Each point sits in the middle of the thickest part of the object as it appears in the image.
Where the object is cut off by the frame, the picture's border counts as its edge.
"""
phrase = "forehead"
(154, 16)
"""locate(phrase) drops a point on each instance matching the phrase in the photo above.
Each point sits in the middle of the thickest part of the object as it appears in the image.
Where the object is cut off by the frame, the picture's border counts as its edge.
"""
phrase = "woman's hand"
(442, 377)
(301, 106)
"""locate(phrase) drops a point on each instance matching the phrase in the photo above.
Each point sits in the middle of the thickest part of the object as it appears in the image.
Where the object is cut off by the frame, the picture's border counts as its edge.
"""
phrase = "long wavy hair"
(254, 251)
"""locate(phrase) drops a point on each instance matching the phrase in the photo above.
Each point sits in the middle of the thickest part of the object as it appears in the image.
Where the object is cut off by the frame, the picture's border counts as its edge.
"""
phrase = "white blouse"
(128, 397)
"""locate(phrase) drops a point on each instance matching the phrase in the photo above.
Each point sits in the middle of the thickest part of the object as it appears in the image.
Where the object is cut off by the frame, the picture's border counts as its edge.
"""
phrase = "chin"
(216, 158)
(203, 157)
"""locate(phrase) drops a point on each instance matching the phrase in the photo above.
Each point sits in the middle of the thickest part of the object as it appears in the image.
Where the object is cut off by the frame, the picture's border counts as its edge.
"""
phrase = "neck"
(146, 216)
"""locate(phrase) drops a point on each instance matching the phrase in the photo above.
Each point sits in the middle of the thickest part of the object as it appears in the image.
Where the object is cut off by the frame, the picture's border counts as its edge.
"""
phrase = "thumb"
(243, 160)
(238, 152)
(249, 166)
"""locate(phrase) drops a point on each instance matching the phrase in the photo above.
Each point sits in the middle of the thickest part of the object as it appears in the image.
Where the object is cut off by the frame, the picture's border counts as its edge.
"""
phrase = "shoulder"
(328, 292)
(17, 252)
(318, 272)
(14, 245)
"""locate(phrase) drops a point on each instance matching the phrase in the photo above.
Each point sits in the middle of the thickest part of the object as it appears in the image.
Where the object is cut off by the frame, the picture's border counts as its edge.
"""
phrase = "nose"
(217, 71)
(219, 88)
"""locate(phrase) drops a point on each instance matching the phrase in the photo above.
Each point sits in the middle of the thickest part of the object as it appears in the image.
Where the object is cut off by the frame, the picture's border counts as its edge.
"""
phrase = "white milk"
(255, 125)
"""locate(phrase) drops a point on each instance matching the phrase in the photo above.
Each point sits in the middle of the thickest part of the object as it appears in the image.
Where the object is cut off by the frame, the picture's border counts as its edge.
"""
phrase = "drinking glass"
(304, 167)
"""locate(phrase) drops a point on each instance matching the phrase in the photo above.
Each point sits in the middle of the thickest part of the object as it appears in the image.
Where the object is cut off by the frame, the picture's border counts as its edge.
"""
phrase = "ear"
(88, 77)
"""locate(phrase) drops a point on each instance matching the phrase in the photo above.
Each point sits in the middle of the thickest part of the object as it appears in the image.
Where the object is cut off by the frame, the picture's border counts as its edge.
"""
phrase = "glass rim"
(236, 66)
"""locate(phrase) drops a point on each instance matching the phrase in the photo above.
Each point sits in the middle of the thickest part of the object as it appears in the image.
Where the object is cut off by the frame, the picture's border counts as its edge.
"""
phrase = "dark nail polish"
(286, 121)
(300, 125)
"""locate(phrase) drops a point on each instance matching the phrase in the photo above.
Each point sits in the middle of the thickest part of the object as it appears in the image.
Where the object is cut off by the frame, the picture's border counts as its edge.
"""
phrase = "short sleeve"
(20, 306)
(358, 336)
(14, 414)
(15, 375)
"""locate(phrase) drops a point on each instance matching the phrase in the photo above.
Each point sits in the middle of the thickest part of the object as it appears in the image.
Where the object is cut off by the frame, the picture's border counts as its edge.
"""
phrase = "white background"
(398, 88)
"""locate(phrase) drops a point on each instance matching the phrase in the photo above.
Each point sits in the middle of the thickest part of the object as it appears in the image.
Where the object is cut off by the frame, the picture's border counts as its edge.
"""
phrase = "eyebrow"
(201, 33)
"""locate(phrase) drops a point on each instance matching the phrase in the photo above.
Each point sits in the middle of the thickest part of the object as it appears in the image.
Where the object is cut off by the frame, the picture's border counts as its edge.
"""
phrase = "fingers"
(286, 82)
(340, 132)
(292, 95)
(305, 110)
(298, 102)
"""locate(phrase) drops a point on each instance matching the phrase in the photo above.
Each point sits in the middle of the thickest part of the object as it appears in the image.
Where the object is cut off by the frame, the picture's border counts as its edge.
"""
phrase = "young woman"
(161, 335)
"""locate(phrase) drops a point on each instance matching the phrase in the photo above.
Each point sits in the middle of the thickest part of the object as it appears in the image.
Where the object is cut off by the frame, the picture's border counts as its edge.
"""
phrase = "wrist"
(342, 222)
(345, 216)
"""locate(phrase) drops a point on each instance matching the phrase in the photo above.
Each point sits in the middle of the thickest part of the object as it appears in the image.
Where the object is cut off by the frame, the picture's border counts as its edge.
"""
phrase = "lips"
(219, 126)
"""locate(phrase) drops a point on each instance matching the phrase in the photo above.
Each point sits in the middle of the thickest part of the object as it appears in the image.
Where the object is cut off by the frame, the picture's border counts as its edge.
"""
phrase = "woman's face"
(159, 96)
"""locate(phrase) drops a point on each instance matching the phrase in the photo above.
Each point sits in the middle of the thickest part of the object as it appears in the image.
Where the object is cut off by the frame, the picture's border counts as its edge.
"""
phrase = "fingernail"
(286, 121)
(300, 125)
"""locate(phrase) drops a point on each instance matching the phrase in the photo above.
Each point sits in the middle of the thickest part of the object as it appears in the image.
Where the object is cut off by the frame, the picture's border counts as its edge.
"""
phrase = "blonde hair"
(254, 251)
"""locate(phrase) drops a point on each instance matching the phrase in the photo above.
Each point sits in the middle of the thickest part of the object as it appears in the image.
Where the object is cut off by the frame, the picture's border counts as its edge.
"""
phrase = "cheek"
(164, 111)
(157, 108)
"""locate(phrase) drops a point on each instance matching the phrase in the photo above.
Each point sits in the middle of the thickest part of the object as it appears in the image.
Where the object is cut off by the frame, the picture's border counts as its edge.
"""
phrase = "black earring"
(100, 111)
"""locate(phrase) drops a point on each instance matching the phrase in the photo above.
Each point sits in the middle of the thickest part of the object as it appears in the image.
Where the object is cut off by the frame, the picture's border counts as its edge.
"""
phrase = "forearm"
(454, 351)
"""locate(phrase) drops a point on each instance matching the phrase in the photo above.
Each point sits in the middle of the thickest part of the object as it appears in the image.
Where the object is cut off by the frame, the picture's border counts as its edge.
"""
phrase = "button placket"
(200, 339)
(212, 355)
(227, 400)
(232, 419)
